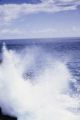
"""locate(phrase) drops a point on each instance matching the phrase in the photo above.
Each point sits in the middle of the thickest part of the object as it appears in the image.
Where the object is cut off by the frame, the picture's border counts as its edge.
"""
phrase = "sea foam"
(43, 97)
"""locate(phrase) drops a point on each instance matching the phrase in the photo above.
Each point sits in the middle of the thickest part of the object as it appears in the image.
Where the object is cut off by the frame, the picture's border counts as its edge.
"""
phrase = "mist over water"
(35, 85)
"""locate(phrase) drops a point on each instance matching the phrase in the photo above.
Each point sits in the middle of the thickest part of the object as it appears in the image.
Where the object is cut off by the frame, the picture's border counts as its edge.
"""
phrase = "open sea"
(40, 78)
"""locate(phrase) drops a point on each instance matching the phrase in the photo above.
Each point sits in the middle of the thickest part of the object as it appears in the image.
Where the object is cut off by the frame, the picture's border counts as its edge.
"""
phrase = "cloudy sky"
(39, 18)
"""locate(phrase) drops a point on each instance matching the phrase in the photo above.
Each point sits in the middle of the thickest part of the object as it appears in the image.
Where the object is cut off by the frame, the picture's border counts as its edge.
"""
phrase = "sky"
(39, 18)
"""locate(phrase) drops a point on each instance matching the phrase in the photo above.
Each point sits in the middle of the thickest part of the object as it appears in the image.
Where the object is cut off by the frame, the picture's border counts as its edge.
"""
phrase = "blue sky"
(19, 1)
(39, 18)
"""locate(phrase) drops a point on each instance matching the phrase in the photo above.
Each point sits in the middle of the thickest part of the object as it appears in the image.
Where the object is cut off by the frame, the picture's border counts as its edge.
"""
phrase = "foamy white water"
(46, 98)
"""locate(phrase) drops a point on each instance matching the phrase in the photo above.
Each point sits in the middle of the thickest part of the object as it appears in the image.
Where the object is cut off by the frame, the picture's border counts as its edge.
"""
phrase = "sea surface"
(40, 79)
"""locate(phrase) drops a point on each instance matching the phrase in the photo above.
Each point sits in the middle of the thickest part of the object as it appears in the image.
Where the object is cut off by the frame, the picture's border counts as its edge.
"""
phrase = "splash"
(43, 97)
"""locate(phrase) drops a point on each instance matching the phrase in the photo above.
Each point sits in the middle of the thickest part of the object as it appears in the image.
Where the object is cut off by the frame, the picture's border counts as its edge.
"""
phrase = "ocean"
(40, 78)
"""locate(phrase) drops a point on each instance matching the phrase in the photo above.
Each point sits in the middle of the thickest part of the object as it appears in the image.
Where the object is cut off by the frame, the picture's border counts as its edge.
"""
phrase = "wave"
(43, 94)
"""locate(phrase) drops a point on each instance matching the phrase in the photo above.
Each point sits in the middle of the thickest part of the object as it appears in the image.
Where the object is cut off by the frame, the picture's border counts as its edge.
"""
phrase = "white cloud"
(47, 31)
(10, 31)
(67, 0)
(17, 31)
(7, 32)
(76, 29)
(9, 12)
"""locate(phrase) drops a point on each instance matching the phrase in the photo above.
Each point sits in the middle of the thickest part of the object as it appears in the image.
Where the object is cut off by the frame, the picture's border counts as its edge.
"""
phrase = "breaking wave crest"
(35, 93)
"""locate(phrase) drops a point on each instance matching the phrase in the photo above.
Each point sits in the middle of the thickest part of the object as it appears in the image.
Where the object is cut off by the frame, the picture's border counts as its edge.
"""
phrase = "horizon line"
(38, 38)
